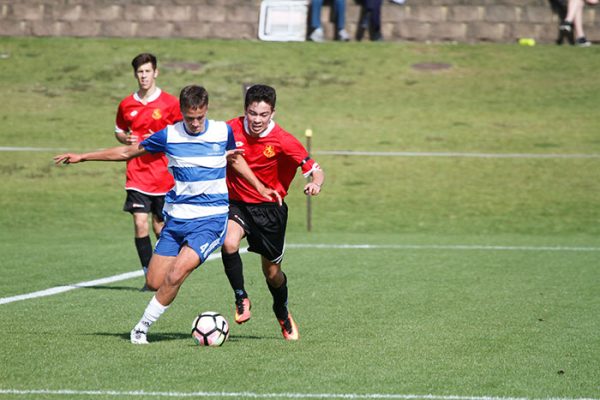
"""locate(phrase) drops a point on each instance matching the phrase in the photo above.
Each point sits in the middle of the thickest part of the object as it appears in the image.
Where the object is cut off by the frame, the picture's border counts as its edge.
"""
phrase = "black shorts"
(137, 202)
(264, 225)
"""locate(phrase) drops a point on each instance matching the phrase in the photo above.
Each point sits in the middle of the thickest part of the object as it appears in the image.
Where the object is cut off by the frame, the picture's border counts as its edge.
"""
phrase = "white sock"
(152, 313)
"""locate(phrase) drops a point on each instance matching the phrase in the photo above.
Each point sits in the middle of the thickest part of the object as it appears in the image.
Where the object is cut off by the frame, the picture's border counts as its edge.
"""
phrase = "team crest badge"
(156, 114)
(269, 151)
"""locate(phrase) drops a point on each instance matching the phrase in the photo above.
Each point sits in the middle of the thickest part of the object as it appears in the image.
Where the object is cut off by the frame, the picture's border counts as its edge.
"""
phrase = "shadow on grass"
(164, 337)
(128, 288)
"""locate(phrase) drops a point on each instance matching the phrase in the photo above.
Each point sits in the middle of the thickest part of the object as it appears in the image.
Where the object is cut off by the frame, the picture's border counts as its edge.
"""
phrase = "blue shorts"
(201, 235)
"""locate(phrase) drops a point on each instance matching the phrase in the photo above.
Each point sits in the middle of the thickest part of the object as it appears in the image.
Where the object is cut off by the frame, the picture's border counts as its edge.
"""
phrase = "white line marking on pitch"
(440, 247)
(390, 153)
(239, 395)
(451, 154)
(66, 288)
(134, 274)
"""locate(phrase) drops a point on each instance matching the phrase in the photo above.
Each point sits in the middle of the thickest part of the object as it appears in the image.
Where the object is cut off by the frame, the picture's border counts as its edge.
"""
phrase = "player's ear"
(156, 73)
(273, 114)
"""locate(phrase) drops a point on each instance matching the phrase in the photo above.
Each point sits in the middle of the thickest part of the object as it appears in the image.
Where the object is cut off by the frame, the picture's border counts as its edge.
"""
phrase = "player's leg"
(139, 205)
(232, 263)
(158, 221)
(159, 266)
(177, 270)
(277, 284)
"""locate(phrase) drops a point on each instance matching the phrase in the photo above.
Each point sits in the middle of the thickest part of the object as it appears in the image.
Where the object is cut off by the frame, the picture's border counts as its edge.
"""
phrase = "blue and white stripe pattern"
(198, 164)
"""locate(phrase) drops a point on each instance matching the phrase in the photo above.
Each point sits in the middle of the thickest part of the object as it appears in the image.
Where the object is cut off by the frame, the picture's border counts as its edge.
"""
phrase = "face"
(259, 115)
(194, 119)
(146, 76)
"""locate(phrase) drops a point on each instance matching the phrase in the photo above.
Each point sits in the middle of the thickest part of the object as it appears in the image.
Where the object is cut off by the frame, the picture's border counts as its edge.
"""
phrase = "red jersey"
(148, 173)
(274, 157)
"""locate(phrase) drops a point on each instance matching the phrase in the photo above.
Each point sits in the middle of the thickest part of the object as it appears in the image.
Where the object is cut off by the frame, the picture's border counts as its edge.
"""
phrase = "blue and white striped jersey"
(198, 164)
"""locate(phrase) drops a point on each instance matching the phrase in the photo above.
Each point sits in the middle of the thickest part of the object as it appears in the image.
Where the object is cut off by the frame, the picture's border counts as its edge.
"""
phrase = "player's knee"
(230, 245)
(274, 276)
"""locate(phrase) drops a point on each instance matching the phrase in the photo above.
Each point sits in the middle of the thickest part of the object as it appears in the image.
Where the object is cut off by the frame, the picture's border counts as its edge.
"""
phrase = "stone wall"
(417, 20)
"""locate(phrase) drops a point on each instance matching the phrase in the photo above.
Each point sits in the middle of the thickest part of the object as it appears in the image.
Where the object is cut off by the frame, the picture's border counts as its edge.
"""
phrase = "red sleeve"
(120, 122)
(296, 151)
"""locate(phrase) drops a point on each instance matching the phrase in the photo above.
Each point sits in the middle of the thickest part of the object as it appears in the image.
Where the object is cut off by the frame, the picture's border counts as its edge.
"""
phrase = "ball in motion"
(210, 329)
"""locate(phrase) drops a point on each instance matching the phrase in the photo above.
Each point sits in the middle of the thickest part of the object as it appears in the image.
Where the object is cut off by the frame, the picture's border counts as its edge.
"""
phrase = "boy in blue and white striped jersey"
(196, 208)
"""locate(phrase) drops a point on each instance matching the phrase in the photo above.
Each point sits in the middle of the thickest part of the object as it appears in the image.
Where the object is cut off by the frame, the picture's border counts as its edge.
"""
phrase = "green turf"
(487, 281)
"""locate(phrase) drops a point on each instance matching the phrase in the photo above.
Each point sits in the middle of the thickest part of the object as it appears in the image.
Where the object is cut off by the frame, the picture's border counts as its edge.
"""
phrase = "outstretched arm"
(120, 153)
(239, 164)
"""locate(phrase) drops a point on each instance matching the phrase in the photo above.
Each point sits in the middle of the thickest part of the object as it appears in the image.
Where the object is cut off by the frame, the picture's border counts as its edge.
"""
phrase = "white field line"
(66, 288)
(386, 153)
(451, 154)
(253, 395)
(134, 274)
(31, 149)
(440, 247)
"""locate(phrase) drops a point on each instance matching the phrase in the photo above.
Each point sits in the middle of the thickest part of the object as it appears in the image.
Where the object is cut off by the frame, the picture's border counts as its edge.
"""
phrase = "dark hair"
(142, 59)
(193, 96)
(258, 93)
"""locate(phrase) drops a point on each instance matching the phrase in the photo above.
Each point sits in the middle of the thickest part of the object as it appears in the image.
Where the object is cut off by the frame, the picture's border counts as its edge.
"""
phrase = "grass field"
(465, 266)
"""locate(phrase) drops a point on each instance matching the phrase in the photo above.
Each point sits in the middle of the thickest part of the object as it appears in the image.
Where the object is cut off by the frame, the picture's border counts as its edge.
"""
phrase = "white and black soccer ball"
(210, 329)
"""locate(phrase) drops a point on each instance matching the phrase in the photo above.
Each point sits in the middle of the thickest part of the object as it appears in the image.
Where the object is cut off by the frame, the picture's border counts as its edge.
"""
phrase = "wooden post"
(308, 133)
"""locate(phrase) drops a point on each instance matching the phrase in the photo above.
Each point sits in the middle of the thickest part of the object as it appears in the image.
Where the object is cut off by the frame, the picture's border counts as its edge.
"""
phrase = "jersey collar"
(195, 134)
(154, 96)
(266, 131)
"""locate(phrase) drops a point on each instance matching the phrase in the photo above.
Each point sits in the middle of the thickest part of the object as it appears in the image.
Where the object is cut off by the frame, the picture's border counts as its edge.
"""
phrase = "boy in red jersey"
(139, 115)
(273, 155)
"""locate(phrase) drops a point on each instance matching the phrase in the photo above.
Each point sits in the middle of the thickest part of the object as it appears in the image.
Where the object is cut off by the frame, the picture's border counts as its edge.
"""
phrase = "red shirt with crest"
(274, 157)
(148, 173)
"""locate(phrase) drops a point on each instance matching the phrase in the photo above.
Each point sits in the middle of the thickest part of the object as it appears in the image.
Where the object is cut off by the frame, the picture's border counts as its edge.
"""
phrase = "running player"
(196, 208)
(274, 155)
(140, 114)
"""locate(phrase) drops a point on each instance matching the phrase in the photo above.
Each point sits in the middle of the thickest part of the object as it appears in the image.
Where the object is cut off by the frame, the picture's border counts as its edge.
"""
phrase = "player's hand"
(147, 135)
(312, 189)
(233, 154)
(271, 195)
(67, 158)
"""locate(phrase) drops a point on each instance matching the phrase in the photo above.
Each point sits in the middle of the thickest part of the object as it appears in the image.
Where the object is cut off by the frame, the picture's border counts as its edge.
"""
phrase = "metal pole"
(308, 133)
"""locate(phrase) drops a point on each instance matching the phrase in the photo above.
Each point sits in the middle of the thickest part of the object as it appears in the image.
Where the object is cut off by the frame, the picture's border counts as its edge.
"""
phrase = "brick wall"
(416, 20)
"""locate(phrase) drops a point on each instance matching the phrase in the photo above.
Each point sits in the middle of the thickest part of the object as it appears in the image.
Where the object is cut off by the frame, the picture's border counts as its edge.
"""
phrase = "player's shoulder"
(282, 134)
(127, 100)
(169, 96)
(236, 123)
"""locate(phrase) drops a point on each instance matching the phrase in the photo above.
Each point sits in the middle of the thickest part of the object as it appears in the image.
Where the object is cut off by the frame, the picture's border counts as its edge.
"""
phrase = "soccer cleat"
(242, 310)
(289, 329)
(138, 337)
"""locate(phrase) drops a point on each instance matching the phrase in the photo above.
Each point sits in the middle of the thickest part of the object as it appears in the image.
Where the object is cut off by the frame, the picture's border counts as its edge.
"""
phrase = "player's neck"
(145, 94)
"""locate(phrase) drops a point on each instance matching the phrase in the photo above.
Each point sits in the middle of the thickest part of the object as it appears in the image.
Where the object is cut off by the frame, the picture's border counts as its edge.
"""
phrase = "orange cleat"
(289, 329)
(242, 310)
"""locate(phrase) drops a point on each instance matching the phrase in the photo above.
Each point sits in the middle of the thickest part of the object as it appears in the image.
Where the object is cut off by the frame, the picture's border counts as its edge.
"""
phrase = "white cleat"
(138, 337)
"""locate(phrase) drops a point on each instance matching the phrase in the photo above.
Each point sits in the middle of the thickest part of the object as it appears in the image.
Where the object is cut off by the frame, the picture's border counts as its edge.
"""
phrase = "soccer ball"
(210, 329)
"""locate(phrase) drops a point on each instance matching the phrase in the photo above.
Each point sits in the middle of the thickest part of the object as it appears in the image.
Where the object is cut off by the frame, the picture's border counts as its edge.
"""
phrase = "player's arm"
(125, 137)
(119, 153)
(237, 161)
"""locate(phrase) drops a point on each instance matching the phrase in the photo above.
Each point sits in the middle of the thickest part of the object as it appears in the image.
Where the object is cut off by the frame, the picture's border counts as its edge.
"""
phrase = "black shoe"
(583, 42)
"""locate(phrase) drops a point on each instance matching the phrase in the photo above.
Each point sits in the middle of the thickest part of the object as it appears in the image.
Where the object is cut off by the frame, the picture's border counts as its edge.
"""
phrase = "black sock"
(280, 299)
(235, 273)
(144, 249)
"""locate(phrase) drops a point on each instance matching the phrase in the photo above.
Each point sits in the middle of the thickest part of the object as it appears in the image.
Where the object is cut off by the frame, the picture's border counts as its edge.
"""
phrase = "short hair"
(193, 96)
(142, 59)
(258, 93)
